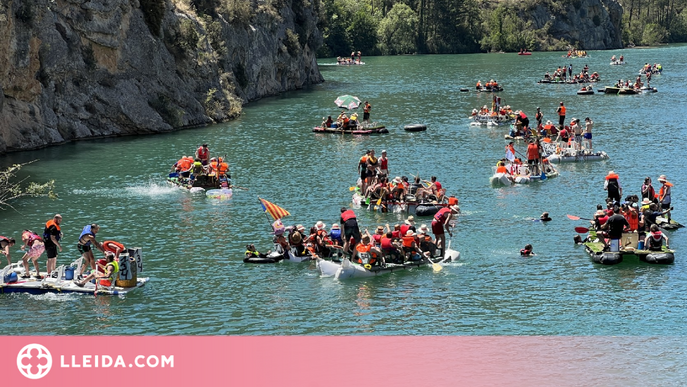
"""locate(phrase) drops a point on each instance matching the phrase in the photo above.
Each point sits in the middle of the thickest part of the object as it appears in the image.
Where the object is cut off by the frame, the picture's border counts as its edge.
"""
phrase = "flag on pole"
(274, 210)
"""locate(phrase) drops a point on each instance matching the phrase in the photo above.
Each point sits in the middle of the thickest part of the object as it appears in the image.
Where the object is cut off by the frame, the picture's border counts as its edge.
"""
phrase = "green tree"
(398, 31)
(11, 188)
(363, 31)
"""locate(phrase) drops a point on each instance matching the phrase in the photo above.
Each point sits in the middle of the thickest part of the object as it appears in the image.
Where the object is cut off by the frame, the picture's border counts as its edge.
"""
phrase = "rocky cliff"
(73, 69)
(584, 24)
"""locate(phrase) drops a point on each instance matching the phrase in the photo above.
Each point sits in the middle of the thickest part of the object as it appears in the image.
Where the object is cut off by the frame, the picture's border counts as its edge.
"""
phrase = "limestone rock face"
(73, 69)
(591, 24)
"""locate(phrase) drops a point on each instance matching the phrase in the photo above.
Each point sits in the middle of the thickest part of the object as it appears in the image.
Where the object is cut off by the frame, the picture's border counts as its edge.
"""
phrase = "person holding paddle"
(441, 222)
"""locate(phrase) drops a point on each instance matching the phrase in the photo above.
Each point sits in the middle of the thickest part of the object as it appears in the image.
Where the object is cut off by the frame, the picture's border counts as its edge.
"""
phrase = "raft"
(627, 91)
(490, 89)
(585, 92)
(361, 131)
(394, 206)
(428, 209)
(617, 63)
(595, 250)
(647, 89)
(415, 128)
(575, 156)
(272, 257)
(347, 269)
(524, 53)
(201, 181)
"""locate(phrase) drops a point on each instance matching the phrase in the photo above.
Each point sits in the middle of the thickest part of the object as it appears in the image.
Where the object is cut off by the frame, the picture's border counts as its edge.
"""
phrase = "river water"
(193, 246)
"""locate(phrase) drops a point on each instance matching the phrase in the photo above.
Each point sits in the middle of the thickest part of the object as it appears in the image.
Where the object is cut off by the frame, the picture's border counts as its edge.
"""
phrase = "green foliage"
(237, 12)
(188, 36)
(153, 13)
(653, 34)
(398, 31)
(363, 31)
(506, 31)
(11, 189)
(291, 42)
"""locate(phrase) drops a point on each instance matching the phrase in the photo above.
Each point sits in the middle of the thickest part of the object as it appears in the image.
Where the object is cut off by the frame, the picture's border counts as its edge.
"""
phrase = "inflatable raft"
(347, 269)
(629, 254)
(415, 128)
(222, 193)
(575, 156)
(585, 92)
(407, 207)
(64, 278)
(359, 131)
(520, 175)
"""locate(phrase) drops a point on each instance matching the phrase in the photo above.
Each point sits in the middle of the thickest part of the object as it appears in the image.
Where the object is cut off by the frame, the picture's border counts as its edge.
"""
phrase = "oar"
(435, 266)
(581, 229)
(239, 187)
(573, 217)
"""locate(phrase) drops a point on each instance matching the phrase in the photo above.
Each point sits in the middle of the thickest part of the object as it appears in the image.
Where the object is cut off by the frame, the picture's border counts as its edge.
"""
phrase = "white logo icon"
(34, 361)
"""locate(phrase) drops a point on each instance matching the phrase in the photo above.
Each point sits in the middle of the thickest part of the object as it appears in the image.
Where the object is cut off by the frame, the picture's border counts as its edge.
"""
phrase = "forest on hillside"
(392, 27)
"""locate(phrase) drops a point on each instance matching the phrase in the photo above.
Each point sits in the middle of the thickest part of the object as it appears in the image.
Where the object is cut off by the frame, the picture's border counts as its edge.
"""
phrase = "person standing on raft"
(664, 195)
(441, 222)
(561, 115)
(612, 185)
(350, 228)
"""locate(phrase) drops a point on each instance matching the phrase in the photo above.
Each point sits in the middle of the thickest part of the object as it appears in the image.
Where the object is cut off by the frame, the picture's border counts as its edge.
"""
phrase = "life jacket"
(367, 108)
(197, 167)
(335, 234)
(46, 232)
(386, 243)
(408, 241)
(633, 220)
(184, 164)
(532, 152)
(223, 168)
(31, 238)
(106, 246)
(501, 169)
(213, 166)
(404, 229)
(452, 201)
(202, 153)
(663, 191)
(525, 252)
(383, 163)
(612, 183)
(107, 281)
(347, 215)
(86, 231)
(4, 239)
(656, 240)
(322, 234)
(365, 255)
(252, 253)
(561, 111)
(442, 215)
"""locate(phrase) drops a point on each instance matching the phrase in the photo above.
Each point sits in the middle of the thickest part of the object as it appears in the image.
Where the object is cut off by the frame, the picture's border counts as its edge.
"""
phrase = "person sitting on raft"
(365, 253)
(527, 251)
(425, 241)
(106, 279)
(328, 122)
(654, 241)
(410, 249)
(252, 252)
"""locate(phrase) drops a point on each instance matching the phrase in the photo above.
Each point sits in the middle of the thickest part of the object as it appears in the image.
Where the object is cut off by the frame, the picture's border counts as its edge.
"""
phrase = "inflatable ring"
(367, 266)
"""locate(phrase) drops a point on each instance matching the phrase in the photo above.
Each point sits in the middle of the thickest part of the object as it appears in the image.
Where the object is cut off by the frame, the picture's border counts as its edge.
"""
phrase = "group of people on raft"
(633, 215)
(34, 245)
(498, 112)
(575, 53)
(648, 69)
(187, 169)
(405, 242)
(375, 186)
(565, 74)
(537, 163)
(617, 61)
(491, 85)
(350, 61)
(344, 122)
(627, 84)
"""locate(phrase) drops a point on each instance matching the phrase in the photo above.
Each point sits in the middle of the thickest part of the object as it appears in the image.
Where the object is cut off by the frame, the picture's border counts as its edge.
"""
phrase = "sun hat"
(300, 227)
(320, 225)
(335, 226)
(411, 219)
(424, 228)
(410, 233)
(646, 201)
(662, 178)
(455, 208)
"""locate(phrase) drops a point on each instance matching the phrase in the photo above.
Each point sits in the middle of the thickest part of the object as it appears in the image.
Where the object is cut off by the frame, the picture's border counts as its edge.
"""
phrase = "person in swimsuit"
(86, 240)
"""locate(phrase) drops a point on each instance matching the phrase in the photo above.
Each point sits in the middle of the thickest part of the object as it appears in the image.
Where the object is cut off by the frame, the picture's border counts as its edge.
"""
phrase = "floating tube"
(659, 258)
(423, 209)
(415, 128)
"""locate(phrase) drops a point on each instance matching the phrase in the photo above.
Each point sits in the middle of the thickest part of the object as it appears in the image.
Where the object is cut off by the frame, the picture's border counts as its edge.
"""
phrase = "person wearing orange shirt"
(664, 194)
(561, 115)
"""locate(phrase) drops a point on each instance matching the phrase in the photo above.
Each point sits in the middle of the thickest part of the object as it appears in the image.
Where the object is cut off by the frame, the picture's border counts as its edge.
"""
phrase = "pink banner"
(324, 361)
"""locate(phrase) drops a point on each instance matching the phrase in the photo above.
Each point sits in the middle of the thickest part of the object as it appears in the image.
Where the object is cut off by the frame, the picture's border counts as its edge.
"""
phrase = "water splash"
(149, 190)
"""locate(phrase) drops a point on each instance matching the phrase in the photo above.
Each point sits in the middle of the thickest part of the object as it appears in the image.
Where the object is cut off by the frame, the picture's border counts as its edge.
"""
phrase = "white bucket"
(615, 245)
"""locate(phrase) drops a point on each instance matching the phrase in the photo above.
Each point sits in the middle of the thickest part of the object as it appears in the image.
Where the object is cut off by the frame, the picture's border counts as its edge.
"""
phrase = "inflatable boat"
(595, 249)
(415, 128)
(222, 193)
(585, 92)
(567, 156)
(520, 175)
(410, 207)
(347, 269)
(360, 131)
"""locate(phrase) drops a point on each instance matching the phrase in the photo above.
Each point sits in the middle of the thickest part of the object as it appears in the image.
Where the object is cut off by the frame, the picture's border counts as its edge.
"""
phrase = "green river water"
(193, 246)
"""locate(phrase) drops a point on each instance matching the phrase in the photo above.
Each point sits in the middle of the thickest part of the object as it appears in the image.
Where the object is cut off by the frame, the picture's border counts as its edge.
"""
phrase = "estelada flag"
(274, 210)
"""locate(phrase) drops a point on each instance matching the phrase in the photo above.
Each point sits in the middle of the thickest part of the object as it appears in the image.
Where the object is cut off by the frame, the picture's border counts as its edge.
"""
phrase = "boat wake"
(149, 190)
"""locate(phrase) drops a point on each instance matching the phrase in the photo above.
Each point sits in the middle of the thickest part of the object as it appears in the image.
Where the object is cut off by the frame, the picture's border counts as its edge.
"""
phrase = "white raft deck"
(347, 269)
(57, 282)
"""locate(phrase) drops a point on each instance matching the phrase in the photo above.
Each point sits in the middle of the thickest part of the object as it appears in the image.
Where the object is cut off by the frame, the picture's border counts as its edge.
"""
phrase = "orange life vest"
(365, 254)
(107, 247)
(561, 111)
(501, 169)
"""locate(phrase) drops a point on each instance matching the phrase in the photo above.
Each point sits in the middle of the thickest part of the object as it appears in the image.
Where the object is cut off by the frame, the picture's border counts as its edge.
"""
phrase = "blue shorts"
(587, 136)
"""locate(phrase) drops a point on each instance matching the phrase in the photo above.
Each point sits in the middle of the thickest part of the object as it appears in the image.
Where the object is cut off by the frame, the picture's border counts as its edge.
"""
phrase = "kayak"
(360, 131)
(347, 269)
(595, 249)
(64, 278)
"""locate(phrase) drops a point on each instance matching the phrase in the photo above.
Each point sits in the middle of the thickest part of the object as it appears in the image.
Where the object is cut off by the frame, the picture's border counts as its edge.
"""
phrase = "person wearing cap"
(203, 154)
(612, 185)
(539, 116)
(350, 228)
(398, 189)
(645, 204)
(441, 222)
(664, 194)
(383, 164)
(296, 240)
(561, 114)
(321, 239)
(365, 253)
(51, 239)
(409, 224)
(426, 243)
(648, 191)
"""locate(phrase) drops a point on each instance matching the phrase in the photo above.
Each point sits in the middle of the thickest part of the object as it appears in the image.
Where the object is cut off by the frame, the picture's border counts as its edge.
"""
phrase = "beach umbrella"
(347, 101)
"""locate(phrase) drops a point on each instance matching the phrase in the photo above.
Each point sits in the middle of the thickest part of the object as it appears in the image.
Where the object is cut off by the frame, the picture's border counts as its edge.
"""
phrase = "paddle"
(581, 229)
(239, 187)
(435, 266)
(573, 217)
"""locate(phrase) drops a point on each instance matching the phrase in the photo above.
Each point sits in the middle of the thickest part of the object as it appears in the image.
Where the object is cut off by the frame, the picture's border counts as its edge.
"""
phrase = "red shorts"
(437, 228)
